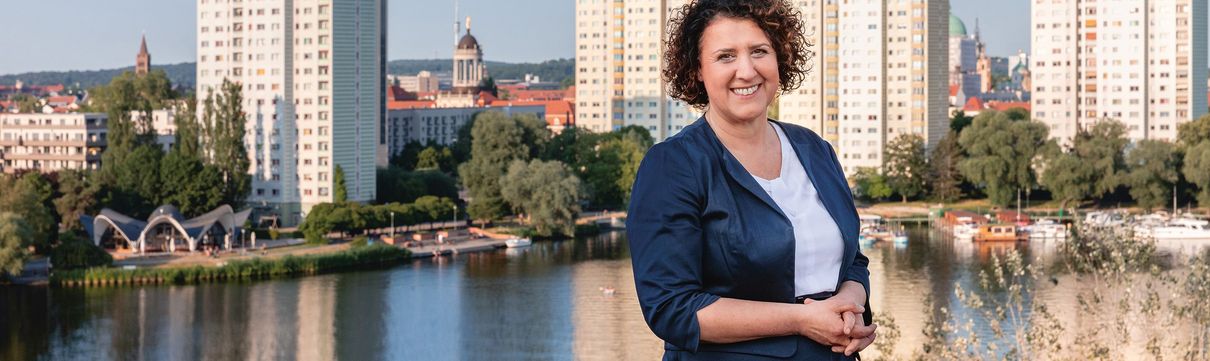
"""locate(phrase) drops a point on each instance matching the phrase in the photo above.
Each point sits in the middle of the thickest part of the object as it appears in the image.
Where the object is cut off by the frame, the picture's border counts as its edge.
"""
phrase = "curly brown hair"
(777, 18)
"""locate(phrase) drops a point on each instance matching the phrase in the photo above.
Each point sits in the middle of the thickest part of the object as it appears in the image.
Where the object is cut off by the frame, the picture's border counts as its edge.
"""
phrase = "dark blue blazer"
(700, 228)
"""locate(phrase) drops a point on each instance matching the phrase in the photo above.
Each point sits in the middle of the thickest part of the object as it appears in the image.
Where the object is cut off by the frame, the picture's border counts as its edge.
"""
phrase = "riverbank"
(243, 269)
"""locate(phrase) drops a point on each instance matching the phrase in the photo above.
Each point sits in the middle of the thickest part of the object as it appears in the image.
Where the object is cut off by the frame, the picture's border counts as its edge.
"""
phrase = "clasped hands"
(837, 322)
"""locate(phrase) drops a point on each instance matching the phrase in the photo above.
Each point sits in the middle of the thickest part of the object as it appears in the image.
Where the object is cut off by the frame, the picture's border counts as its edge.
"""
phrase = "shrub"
(76, 254)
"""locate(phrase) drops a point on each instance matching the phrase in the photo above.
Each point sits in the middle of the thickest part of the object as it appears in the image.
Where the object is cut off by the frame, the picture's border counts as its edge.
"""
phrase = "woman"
(742, 230)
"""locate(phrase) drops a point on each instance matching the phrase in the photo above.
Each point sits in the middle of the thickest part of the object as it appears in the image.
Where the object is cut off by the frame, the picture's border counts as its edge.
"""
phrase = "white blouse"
(818, 246)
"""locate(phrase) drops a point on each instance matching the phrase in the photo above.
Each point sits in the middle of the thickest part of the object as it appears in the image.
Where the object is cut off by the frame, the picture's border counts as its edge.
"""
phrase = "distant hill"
(182, 75)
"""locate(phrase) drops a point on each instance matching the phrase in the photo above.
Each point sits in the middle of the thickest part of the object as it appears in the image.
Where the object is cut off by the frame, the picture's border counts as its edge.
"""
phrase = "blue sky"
(91, 34)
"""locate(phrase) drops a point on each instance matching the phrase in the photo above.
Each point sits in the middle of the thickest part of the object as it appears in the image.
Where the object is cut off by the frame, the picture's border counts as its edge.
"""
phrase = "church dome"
(468, 42)
(957, 27)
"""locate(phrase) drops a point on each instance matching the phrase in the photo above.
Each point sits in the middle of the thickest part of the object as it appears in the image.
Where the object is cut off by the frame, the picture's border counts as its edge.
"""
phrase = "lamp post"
(392, 226)
(455, 215)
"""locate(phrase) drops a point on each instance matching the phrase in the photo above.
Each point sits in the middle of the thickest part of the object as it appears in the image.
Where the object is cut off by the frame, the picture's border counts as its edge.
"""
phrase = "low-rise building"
(421, 122)
(52, 142)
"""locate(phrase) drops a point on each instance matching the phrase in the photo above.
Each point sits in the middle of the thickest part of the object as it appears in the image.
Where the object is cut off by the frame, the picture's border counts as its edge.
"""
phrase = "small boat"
(518, 242)
(1182, 229)
(1047, 229)
(901, 238)
(999, 233)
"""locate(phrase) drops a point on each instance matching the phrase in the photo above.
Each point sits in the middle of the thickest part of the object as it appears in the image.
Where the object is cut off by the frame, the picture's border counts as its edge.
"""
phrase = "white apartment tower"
(1139, 62)
(881, 69)
(313, 79)
(619, 62)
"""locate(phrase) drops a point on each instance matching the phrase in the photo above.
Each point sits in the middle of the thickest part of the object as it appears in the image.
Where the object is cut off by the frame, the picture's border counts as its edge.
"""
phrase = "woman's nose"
(746, 69)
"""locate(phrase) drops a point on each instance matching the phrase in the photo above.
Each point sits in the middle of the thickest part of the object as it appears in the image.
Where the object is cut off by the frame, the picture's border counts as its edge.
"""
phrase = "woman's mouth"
(745, 91)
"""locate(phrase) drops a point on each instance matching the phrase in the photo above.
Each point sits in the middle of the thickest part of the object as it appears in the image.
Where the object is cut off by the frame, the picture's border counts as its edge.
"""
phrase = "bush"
(359, 241)
(76, 254)
(257, 268)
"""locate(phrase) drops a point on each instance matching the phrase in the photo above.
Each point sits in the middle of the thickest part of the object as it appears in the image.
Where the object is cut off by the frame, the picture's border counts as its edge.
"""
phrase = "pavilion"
(166, 229)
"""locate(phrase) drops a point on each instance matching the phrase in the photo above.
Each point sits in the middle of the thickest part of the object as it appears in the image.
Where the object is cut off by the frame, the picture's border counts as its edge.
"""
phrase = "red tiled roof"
(66, 99)
(973, 104)
(410, 104)
(399, 94)
(53, 88)
(1002, 106)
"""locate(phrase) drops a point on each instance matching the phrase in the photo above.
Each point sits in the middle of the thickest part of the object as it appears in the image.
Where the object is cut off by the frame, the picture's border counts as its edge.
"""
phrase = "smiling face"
(738, 69)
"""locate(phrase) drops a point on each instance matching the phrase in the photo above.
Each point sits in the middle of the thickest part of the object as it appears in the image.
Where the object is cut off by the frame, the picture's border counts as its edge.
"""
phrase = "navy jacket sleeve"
(859, 270)
(666, 245)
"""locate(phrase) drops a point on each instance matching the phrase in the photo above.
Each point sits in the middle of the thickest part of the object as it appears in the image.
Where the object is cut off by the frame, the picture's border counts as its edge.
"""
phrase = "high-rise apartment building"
(619, 62)
(1139, 62)
(880, 69)
(313, 80)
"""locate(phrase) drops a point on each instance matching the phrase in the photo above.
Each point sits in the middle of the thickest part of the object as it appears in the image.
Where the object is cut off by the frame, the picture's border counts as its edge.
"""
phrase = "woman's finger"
(861, 331)
(849, 320)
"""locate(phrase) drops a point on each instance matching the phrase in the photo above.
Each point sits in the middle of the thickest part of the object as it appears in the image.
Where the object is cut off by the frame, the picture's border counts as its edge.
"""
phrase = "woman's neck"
(739, 132)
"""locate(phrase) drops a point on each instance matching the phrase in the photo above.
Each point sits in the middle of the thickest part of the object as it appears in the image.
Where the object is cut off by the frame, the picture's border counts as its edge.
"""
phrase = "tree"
(960, 121)
(340, 193)
(1197, 170)
(943, 168)
(534, 133)
(489, 85)
(194, 188)
(78, 192)
(1192, 133)
(409, 156)
(497, 140)
(1001, 149)
(906, 165)
(1068, 178)
(1153, 166)
(1094, 166)
(27, 103)
(132, 185)
(545, 192)
(870, 184)
(14, 233)
(26, 200)
(224, 130)
(400, 186)
(1103, 147)
(188, 130)
(440, 158)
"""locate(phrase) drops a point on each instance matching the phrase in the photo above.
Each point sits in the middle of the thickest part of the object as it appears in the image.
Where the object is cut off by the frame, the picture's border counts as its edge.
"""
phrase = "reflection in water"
(609, 326)
(541, 302)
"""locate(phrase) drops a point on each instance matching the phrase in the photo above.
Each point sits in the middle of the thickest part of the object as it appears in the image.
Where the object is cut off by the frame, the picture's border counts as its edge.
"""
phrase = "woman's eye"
(726, 57)
(760, 52)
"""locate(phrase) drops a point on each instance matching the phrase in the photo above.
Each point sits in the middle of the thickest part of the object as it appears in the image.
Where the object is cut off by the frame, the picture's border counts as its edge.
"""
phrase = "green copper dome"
(957, 28)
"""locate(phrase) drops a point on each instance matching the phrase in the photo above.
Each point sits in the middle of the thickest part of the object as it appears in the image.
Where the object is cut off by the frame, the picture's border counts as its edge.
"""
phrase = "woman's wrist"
(852, 291)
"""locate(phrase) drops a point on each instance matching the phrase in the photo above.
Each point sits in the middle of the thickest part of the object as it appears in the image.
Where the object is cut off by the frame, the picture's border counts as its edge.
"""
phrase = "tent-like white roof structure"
(137, 232)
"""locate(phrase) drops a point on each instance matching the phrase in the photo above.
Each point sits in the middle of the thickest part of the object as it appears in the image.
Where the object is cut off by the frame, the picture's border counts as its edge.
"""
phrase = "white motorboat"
(965, 231)
(1182, 229)
(518, 242)
(1047, 229)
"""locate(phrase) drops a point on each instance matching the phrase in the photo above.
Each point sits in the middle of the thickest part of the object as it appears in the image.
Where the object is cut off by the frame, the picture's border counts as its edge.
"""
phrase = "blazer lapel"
(826, 187)
(736, 170)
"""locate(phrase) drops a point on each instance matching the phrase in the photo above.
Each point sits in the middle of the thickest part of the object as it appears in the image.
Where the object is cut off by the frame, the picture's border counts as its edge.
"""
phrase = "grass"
(257, 268)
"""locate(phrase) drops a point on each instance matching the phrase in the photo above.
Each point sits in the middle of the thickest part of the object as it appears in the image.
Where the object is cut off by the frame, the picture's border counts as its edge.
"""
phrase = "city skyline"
(172, 33)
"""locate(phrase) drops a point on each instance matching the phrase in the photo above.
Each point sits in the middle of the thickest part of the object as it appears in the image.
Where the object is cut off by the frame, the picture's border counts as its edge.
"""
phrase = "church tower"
(142, 62)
